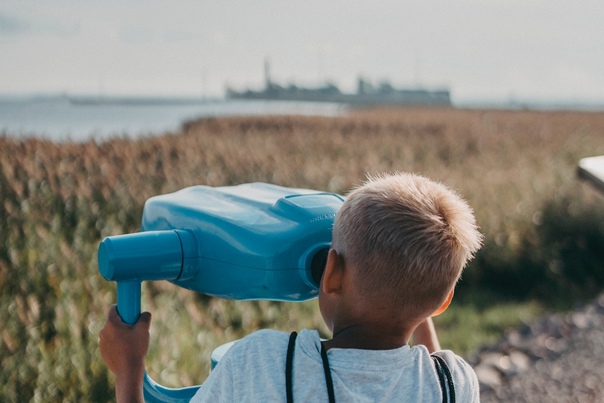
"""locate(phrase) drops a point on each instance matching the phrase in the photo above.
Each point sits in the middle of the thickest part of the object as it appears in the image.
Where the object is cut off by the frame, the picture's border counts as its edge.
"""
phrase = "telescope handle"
(129, 309)
(129, 300)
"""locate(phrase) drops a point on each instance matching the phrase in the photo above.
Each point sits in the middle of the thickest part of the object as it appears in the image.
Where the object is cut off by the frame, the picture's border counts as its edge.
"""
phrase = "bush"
(560, 260)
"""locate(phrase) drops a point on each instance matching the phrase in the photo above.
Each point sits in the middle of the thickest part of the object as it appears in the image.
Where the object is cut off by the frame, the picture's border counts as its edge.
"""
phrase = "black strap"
(442, 369)
(288, 367)
(289, 362)
(328, 380)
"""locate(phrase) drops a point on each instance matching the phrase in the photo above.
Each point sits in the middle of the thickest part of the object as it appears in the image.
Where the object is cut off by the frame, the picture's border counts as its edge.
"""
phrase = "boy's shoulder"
(269, 346)
(271, 339)
(265, 350)
(464, 376)
(263, 336)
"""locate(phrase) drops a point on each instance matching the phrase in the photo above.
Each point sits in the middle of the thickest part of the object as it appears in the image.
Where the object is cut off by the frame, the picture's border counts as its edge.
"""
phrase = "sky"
(478, 49)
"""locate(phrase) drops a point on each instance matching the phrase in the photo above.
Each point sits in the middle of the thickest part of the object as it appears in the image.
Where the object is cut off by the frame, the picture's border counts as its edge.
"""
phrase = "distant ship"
(366, 95)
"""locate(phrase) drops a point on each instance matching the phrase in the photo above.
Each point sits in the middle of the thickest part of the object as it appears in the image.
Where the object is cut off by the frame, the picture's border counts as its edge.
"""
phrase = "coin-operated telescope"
(247, 242)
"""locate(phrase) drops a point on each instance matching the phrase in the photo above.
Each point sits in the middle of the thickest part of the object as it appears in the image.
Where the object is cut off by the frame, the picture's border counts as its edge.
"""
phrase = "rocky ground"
(558, 359)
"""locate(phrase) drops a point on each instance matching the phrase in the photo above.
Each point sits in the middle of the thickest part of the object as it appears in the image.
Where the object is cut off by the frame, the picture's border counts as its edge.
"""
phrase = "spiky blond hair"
(407, 237)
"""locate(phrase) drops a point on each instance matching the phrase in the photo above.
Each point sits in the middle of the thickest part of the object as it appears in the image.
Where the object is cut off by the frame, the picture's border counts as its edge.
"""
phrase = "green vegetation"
(543, 229)
(465, 326)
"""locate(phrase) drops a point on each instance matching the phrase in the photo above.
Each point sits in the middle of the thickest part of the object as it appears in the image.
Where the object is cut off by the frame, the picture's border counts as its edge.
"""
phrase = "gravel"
(557, 359)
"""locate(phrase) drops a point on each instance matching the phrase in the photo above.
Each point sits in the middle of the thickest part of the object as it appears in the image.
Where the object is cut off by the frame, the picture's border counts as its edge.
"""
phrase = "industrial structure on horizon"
(367, 94)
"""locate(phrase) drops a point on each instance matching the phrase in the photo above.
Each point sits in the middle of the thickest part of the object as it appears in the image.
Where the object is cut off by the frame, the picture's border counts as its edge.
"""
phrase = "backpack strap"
(288, 367)
(444, 378)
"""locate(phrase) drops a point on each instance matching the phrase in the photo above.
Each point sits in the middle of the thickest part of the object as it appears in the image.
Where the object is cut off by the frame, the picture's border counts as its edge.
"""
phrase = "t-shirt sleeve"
(251, 370)
(219, 386)
(465, 380)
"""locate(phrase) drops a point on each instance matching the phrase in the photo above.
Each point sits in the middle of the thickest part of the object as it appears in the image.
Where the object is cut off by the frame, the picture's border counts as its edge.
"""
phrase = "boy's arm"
(425, 334)
(123, 348)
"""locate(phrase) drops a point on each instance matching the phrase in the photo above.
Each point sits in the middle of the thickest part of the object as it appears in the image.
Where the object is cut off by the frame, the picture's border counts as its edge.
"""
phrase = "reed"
(58, 200)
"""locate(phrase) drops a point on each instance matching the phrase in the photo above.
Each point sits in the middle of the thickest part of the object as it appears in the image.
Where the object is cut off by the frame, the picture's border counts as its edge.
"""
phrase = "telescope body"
(245, 242)
(251, 241)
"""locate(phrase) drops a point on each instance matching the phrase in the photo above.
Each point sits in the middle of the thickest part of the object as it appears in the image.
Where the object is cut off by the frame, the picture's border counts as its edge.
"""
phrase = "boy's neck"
(369, 336)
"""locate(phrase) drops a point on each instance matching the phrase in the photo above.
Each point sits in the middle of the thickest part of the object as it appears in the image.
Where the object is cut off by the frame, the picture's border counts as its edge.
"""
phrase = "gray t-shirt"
(253, 370)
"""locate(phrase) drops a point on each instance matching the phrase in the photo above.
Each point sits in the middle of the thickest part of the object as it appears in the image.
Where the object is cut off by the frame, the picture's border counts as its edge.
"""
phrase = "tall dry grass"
(58, 200)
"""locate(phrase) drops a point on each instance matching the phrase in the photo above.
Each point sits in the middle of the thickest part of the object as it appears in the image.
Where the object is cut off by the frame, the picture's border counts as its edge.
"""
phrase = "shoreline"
(61, 119)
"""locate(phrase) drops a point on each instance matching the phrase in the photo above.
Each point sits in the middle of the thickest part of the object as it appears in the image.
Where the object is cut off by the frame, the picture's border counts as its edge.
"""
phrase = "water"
(59, 119)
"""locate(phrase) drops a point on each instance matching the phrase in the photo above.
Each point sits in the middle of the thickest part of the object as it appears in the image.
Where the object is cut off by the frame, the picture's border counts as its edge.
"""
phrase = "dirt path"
(558, 359)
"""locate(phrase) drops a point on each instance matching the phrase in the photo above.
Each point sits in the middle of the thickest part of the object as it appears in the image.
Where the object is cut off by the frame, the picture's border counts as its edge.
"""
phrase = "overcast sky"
(479, 49)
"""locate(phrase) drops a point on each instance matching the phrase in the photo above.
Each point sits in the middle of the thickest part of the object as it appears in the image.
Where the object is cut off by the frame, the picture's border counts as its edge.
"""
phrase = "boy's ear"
(332, 276)
(444, 306)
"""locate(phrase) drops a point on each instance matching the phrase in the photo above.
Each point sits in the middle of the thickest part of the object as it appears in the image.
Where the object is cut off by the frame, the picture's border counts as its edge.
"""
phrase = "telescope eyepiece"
(317, 265)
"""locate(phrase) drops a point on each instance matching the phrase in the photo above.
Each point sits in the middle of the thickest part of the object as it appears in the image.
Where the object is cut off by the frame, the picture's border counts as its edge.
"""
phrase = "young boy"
(400, 243)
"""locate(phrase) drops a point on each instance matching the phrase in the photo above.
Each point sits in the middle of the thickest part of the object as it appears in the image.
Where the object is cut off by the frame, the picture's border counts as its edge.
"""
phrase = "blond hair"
(408, 238)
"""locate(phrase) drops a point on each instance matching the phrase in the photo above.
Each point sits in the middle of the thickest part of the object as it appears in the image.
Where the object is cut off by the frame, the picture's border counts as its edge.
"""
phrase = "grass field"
(543, 229)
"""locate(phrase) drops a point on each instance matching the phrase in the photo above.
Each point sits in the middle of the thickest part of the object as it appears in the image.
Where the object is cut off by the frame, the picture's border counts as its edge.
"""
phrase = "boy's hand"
(123, 348)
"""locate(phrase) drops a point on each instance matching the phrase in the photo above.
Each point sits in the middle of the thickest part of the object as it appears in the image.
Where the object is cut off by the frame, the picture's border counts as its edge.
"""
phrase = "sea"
(82, 118)
(62, 118)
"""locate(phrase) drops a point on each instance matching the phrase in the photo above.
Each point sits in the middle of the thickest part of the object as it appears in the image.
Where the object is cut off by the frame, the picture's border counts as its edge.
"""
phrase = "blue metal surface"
(129, 300)
(252, 241)
(155, 393)
(219, 352)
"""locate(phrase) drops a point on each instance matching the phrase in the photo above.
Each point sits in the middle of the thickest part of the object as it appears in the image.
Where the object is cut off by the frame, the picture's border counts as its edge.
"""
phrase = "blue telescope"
(247, 242)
